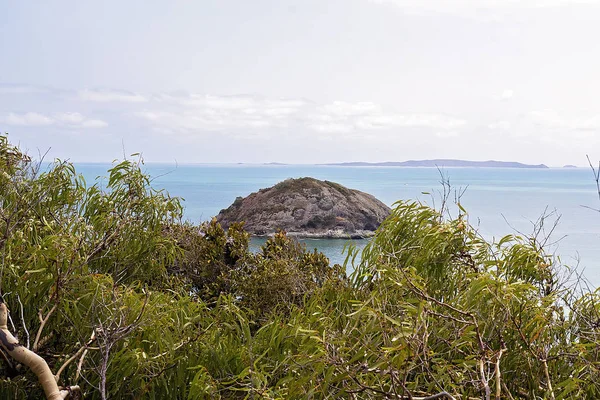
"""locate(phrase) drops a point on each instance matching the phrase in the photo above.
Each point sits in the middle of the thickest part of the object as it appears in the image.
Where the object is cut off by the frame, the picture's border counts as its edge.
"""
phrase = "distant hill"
(442, 163)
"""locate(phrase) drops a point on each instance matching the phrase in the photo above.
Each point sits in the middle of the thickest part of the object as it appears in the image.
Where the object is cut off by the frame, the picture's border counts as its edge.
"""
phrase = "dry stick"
(43, 322)
(484, 382)
(37, 364)
(498, 377)
(80, 364)
(549, 382)
(440, 395)
(23, 320)
(507, 391)
(74, 356)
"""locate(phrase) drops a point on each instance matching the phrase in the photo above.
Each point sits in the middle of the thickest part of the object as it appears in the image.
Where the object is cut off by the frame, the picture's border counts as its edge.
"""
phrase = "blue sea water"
(499, 201)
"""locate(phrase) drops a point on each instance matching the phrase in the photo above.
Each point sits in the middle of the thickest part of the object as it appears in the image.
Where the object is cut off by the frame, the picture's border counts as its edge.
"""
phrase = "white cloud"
(66, 119)
(71, 117)
(74, 119)
(550, 126)
(345, 109)
(500, 125)
(550, 119)
(206, 120)
(245, 104)
(106, 96)
(94, 123)
(447, 134)
(507, 94)
(20, 89)
(195, 112)
(366, 116)
(27, 119)
(484, 9)
(332, 128)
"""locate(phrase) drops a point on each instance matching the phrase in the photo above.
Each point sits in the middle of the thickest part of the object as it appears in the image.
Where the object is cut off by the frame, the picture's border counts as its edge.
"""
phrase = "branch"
(23, 320)
(43, 322)
(74, 356)
(498, 374)
(37, 364)
(548, 381)
(440, 395)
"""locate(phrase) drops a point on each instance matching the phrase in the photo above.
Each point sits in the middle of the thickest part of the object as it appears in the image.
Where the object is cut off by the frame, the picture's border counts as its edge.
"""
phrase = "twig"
(548, 381)
(498, 375)
(43, 322)
(23, 320)
(74, 356)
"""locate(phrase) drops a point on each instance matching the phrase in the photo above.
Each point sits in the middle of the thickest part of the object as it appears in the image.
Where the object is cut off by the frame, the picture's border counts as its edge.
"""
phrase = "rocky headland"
(307, 207)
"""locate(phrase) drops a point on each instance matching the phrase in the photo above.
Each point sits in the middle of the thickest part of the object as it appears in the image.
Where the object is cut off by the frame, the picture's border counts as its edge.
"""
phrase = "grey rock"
(307, 207)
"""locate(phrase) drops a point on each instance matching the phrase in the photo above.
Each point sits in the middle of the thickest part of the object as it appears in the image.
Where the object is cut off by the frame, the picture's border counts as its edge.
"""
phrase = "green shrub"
(136, 304)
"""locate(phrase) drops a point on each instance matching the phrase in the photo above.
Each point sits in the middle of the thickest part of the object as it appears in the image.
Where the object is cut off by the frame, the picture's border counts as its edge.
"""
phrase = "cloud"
(207, 120)
(241, 116)
(71, 117)
(480, 9)
(27, 119)
(550, 119)
(339, 117)
(332, 127)
(77, 120)
(94, 123)
(500, 125)
(507, 94)
(106, 96)
(345, 109)
(67, 119)
(21, 89)
(447, 134)
(195, 112)
(246, 104)
(549, 126)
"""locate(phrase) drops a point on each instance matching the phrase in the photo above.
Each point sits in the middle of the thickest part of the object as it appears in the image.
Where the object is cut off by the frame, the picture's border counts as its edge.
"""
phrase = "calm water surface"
(498, 200)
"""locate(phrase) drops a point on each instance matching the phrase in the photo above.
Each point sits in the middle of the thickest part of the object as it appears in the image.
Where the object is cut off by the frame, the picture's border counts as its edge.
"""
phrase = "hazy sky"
(303, 81)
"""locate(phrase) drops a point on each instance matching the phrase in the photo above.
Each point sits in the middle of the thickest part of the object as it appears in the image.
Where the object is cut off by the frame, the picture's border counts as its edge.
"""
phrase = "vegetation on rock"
(123, 300)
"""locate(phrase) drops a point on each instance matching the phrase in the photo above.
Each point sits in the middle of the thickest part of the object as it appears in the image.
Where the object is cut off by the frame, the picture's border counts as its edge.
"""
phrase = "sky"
(302, 81)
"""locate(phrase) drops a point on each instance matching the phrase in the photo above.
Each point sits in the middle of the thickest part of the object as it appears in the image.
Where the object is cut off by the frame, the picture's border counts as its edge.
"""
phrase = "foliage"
(210, 256)
(125, 300)
(218, 262)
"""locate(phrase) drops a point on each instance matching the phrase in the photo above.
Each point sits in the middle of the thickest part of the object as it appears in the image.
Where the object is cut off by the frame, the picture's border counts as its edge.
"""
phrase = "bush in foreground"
(124, 300)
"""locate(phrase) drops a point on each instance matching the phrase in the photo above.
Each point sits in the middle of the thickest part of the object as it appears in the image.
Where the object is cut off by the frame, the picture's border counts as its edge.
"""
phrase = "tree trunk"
(23, 355)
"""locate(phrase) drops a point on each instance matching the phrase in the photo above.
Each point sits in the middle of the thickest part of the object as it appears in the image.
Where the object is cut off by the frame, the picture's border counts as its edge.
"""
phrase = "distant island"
(307, 207)
(441, 163)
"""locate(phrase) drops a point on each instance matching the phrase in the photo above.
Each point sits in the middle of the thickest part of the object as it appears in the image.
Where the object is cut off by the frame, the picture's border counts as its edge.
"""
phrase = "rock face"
(307, 207)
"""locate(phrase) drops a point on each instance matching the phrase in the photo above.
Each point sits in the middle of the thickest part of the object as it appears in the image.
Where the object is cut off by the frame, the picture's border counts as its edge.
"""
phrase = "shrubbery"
(122, 298)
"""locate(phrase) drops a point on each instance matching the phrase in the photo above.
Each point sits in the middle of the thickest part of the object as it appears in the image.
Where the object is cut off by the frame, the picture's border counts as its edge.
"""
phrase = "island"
(307, 207)
(441, 163)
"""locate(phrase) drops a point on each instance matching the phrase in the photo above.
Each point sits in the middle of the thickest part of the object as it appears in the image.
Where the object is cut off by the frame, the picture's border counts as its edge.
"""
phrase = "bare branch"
(43, 321)
(23, 320)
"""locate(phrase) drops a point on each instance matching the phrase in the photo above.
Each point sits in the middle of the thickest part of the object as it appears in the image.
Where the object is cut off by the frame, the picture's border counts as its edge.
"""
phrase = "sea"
(499, 201)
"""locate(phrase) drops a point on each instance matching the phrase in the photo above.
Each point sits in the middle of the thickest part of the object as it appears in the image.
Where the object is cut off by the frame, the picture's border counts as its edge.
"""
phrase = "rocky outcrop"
(307, 207)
